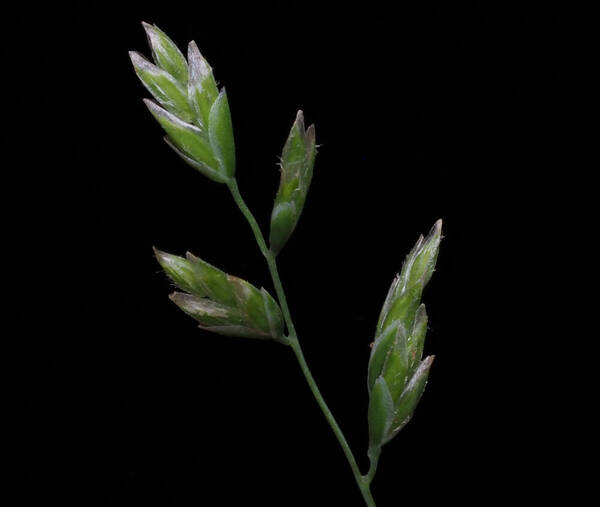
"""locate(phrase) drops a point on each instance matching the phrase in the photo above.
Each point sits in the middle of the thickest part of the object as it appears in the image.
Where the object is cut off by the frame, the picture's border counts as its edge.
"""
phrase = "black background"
(420, 114)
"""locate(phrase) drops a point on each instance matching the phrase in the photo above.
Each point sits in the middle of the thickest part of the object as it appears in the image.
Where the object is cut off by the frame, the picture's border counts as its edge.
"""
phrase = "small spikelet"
(398, 347)
(189, 106)
(297, 162)
(221, 303)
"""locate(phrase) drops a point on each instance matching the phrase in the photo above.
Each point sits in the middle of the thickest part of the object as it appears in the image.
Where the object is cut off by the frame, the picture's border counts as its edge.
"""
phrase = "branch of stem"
(362, 481)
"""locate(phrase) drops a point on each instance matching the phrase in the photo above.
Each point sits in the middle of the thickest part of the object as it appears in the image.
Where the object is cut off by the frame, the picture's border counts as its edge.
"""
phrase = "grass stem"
(363, 482)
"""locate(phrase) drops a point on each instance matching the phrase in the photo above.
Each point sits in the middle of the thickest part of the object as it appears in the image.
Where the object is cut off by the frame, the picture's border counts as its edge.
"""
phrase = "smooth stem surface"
(237, 197)
(362, 481)
(372, 469)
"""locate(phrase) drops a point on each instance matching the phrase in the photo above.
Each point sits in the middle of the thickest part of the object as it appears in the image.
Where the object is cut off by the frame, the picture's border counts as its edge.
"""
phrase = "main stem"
(363, 482)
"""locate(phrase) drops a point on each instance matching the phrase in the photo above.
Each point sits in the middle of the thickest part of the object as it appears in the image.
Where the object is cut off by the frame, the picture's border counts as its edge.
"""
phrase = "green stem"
(372, 469)
(237, 197)
(362, 481)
